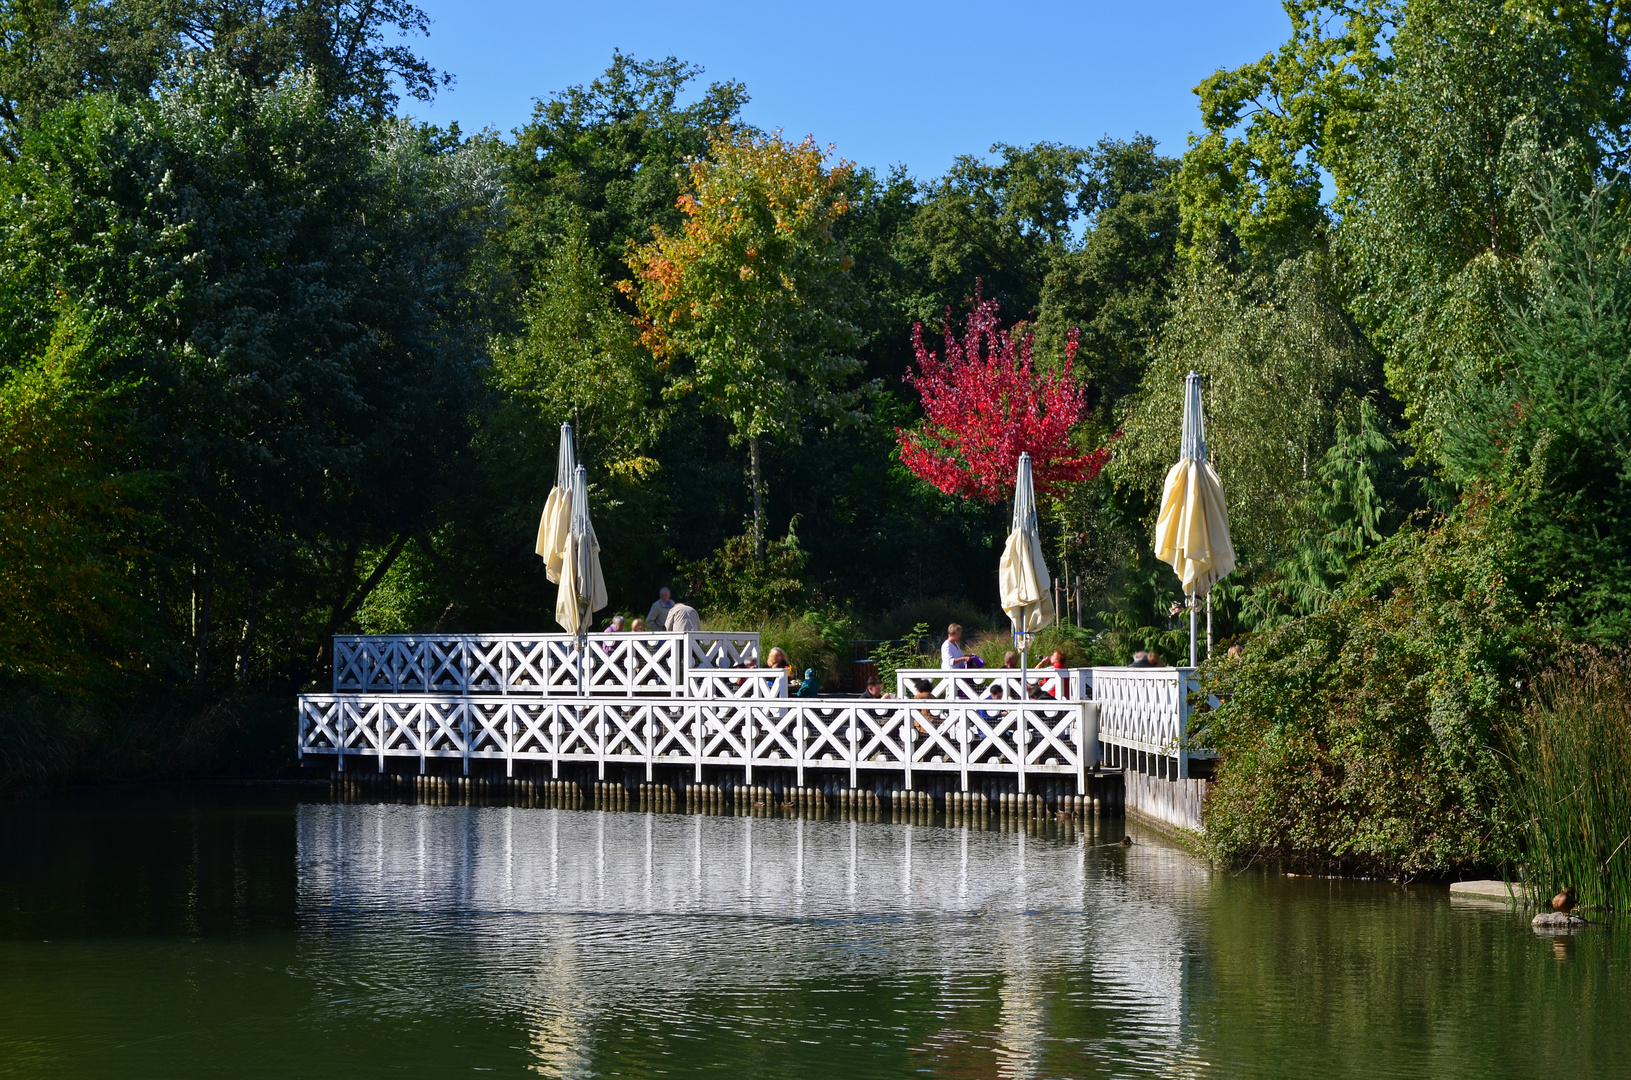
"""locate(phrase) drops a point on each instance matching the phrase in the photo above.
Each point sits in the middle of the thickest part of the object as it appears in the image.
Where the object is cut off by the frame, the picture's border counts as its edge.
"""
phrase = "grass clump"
(1573, 763)
(812, 640)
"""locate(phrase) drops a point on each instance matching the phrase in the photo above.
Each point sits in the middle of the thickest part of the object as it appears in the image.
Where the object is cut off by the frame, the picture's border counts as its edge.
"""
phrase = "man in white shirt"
(951, 650)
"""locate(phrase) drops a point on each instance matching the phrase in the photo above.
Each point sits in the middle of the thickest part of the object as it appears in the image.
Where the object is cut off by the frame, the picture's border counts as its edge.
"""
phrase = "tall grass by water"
(1573, 761)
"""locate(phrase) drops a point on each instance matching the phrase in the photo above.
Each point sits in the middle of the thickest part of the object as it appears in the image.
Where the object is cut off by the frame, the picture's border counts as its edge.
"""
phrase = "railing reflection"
(591, 911)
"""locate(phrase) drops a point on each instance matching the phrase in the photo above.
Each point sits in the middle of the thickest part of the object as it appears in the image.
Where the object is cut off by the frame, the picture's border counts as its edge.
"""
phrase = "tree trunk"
(349, 608)
(201, 663)
(758, 501)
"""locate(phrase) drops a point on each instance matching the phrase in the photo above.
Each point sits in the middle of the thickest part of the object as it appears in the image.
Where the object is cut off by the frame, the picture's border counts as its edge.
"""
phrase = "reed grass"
(1573, 763)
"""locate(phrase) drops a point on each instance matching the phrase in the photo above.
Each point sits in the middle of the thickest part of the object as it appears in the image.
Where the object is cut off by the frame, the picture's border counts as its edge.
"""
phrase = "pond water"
(250, 933)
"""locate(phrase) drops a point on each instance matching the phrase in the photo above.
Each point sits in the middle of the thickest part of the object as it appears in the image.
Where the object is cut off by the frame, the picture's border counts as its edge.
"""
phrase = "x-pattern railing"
(994, 684)
(615, 665)
(899, 736)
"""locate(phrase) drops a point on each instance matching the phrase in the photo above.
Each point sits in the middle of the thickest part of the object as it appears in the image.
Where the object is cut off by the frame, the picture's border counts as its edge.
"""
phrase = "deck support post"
(1022, 739)
(962, 747)
(907, 742)
(1081, 747)
(854, 748)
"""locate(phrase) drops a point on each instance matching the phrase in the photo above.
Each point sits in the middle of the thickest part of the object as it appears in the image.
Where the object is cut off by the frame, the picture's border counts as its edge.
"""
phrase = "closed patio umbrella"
(557, 518)
(1192, 531)
(583, 589)
(1022, 574)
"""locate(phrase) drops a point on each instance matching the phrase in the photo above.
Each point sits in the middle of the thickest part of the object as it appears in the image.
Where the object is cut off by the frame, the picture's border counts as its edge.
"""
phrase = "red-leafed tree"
(984, 404)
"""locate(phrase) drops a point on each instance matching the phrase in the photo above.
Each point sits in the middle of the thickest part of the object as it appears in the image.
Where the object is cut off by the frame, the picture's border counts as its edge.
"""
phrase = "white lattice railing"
(1147, 710)
(478, 664)
(994, 684)
(1140, 709)
(916, 737)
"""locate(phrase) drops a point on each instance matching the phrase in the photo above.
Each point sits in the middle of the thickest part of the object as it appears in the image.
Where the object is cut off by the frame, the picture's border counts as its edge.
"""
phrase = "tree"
(1281, 364)
(577, 360)
(1114, 286)
(607, 158)
(985, 403)
(55, 51)
(284, 334)
(749, 305)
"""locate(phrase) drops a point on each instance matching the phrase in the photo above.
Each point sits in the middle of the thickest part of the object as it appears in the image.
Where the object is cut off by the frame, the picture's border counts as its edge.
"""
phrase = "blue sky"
(914, 83)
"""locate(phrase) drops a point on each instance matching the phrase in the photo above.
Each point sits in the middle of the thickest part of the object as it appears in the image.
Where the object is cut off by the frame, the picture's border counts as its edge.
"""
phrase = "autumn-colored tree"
(748, 305)
(985, 403)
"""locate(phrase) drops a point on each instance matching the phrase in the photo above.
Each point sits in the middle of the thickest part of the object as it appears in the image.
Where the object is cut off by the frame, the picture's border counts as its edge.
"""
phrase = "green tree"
(608, 158)
(578, 359)
(54, 51)
(284, 318)
(750, 303)
(1547, 434)
(1113, 287)
(1281, 364)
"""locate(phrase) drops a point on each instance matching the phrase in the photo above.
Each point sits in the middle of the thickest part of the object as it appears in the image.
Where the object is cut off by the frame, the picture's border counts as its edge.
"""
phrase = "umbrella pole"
(583, 644)
(1192, 613)
(1024, 666)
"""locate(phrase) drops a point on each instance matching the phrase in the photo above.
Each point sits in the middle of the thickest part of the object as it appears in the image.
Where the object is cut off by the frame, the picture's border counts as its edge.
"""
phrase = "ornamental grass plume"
(1573, 763)
(984, 404)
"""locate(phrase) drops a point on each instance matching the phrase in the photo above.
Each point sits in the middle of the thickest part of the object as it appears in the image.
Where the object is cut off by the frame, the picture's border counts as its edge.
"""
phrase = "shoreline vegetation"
(277, 362)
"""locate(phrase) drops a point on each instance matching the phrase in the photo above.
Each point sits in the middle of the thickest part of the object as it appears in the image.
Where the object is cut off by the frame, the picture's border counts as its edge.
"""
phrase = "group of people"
(665, 616)
(952, 656)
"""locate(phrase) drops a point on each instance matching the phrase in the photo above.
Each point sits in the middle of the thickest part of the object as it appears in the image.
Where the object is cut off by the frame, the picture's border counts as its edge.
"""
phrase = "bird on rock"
(1564, 901)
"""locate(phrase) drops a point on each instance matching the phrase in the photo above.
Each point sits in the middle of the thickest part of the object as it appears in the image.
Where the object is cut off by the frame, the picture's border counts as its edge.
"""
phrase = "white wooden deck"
(699, 700)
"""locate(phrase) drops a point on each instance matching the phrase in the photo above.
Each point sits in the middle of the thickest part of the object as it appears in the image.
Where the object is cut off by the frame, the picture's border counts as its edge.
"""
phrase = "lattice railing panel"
(899, 736)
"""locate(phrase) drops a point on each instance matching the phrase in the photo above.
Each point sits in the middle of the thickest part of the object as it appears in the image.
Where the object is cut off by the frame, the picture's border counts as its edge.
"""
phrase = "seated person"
(874, 689)
(810, 687)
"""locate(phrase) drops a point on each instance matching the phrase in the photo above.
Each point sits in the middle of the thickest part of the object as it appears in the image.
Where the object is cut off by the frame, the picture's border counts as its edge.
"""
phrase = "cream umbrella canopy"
(557, 518)
(1192, 531)
(583, 589)
(1022, 573)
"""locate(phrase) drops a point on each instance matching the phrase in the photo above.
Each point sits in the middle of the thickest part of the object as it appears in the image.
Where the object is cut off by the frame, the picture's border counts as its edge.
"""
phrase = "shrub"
(1362, 738)
(1571, 756)
(799, 636)
(891, 656)
(731, 582)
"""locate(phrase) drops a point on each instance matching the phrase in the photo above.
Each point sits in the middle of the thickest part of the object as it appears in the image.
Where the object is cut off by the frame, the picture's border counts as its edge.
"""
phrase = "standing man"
(657, 618)
(951, 650)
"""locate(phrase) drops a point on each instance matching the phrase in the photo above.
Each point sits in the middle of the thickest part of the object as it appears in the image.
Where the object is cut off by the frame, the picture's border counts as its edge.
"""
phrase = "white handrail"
(1013, 738)
(503, 664)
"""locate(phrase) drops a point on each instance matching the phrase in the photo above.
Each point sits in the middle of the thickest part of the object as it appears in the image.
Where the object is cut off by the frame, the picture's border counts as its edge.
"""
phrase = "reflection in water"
(176, 934)
(670, 927)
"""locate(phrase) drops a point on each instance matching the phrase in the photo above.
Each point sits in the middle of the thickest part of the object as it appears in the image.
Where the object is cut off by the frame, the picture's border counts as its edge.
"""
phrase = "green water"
(249, 934)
